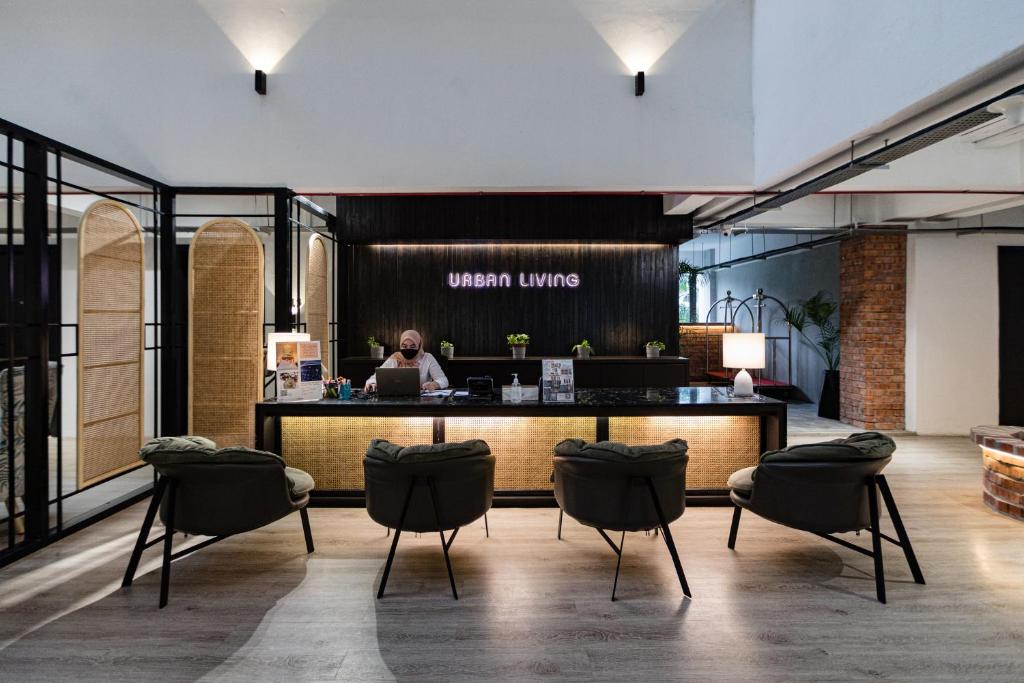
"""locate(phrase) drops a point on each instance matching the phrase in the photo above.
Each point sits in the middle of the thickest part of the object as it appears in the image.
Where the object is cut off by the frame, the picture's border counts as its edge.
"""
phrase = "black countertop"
(677, 400)
(534, 359)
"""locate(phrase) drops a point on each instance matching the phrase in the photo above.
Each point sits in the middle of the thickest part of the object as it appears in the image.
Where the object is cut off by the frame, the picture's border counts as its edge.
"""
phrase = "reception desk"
(328, 438)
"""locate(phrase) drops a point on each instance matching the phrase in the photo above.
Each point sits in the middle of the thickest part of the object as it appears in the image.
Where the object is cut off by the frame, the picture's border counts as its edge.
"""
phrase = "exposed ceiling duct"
(978, 115)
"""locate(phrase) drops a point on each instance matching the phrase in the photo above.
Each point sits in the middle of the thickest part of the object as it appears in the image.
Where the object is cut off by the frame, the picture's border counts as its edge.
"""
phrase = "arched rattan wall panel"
(111, 324)
(317, 299)
(225, 349)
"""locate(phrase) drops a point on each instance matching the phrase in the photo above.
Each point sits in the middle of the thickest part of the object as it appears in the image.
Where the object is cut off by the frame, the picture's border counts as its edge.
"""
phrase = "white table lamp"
(273, 338)
(743, 351)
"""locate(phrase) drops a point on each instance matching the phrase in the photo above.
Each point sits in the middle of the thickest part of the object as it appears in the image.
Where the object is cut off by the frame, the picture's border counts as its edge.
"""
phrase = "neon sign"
(467, 280)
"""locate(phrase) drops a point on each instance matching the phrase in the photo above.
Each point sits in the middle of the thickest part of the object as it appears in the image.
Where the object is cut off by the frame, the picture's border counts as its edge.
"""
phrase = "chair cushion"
(185, 450)
(742, 481)
(856, 447)
(620, 452)
(299, 482)
(381, 449)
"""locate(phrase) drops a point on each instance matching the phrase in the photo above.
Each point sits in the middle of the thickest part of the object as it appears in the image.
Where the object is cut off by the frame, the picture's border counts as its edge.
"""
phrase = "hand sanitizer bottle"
(516, 393)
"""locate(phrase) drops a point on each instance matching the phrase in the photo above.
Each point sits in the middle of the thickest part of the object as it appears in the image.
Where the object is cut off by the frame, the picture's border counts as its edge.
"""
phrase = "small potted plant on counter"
(447, 349)
(654, 348)
(376, 348)
(518, 342)
(583, 350)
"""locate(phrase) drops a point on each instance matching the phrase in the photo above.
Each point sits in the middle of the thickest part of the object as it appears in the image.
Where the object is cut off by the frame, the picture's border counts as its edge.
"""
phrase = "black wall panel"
(622, 218)
(1011, 330)
(627, 295)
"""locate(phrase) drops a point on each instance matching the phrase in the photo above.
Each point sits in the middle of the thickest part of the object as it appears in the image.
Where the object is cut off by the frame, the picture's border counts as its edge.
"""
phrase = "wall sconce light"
(638, 88)
(261, 82)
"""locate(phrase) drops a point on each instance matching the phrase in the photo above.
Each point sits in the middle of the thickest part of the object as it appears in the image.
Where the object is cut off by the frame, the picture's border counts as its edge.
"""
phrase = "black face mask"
(409, 354)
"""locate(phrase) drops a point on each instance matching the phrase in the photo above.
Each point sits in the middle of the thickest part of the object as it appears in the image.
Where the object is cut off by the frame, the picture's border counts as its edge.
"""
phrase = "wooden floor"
(784, 606)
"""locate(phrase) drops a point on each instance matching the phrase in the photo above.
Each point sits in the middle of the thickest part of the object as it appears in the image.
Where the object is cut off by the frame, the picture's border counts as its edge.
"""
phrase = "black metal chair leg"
(440, 531)
(147, 525)
(901, 532)
(306, 531)
(876, 541)
(561, 513)
(394, 542)
(734, 529)
(667, 533)
(487, 526)
(618, 564)
(165, 574)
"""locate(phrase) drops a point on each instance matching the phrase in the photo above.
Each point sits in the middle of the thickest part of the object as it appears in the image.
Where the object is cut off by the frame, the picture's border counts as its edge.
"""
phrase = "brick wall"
(694, 344)
(872, 318)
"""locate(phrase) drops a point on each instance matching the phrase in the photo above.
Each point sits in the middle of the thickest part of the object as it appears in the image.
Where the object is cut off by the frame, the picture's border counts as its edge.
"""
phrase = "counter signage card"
(299, 376)
(557, 380)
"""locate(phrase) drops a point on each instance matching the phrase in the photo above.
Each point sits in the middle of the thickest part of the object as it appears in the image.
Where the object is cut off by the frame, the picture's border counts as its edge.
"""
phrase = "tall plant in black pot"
(819, 311)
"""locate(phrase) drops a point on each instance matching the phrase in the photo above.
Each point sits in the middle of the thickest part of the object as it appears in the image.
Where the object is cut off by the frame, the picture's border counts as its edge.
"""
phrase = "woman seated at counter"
(412, 355)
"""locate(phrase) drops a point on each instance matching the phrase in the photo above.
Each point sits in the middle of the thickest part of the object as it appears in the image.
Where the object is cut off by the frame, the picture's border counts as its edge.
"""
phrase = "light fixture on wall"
(261, 82)
(638, 84)
(743, 351)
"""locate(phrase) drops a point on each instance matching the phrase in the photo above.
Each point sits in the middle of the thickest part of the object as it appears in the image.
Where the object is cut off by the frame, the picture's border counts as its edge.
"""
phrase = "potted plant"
(376, 348)
(447, 349)
(583, 350)
(818, 311)
(654, 348)
(518, 342)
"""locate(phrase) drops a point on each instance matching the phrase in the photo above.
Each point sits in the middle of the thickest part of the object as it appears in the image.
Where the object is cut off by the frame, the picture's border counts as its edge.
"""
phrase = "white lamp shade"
(273, 338)
(743, 350)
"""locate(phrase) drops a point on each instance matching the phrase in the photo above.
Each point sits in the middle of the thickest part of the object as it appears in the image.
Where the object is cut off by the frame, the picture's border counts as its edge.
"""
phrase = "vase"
(377, 352)
(653, 351)
(583, 353)
(828, 403)
(448, 352)
(519, 351)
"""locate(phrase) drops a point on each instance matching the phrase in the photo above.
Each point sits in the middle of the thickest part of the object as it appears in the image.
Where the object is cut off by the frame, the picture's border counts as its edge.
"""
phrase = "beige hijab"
(416, 338)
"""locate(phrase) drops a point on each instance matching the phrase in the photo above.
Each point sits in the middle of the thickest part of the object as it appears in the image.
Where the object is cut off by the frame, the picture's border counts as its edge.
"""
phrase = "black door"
(1011, 334)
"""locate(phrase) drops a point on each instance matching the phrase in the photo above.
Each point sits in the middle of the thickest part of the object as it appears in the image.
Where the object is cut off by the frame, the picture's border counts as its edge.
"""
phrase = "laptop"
(398, 382)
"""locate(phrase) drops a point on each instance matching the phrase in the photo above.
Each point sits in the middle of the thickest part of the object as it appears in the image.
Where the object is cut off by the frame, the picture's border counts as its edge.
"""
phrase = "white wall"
(827, 72)
(952, 368)
(389, 94)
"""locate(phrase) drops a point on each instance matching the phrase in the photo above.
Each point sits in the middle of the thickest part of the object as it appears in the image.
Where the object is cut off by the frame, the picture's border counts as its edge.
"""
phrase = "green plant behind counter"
(518, 339)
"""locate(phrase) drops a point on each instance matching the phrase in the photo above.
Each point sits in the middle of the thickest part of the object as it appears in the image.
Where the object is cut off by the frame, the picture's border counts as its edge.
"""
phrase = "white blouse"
(430, 371)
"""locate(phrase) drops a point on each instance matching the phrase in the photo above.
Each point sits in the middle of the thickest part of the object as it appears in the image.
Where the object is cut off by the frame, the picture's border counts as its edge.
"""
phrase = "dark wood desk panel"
(593, 373)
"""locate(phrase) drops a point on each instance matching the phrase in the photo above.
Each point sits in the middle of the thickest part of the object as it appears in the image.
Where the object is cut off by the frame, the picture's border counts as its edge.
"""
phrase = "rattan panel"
(225, 331)
(110, 339)
(718, 445)
(107, 442)
(522, 446)
(331, 449)
(317, 299)
(113, 336)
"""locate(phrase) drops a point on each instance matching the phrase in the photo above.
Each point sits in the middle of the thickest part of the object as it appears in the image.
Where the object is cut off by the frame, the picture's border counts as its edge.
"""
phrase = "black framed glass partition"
(94, 275)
